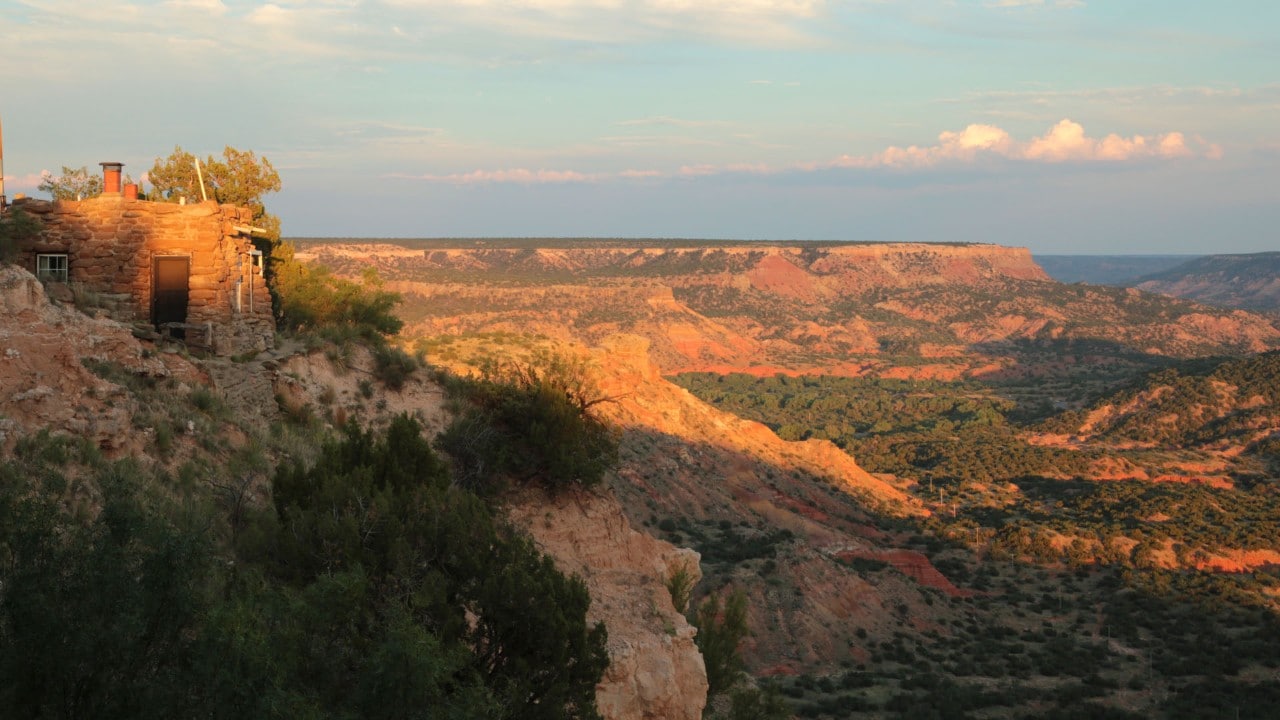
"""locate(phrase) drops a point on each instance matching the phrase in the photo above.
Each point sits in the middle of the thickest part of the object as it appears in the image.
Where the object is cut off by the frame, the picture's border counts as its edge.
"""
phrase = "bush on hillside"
(753, 704)
(372, 588)
(95, 617)
(393, 366)
(380, 515)
(533, 422)
(720, 631)
(313, 299)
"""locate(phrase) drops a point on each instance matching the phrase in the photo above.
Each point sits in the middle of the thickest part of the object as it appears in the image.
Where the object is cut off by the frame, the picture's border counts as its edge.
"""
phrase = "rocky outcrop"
(702, 468)
(44, 384)
(655, 670)
(246, 387)
(913, 564)
(341, 385)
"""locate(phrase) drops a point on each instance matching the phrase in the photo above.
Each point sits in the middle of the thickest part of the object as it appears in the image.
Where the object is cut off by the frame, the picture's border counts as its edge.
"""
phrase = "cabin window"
(51, 268)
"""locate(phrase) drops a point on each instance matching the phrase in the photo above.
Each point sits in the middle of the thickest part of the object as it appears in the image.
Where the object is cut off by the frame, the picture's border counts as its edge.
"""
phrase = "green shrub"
(96, 618)
(753, 704)
(208, 402)
(680, 585)
(164, 437)
(392, 366)
(530, 423)
(372, 588)
(720, 631)
(379, 517)
(314, 299)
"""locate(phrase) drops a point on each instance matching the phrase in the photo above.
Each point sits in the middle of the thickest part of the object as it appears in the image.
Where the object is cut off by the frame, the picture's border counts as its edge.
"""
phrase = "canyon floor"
(876, 443)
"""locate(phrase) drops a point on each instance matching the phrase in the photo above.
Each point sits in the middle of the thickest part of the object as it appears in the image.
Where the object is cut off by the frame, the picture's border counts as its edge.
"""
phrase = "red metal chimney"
(111, 177)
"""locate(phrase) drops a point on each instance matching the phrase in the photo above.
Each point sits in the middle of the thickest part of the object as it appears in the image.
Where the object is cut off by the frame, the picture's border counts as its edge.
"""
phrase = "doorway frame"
(155, 285)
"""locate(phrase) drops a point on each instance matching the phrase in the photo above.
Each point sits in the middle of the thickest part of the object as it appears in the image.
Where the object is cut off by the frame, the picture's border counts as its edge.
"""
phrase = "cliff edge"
(655, 670)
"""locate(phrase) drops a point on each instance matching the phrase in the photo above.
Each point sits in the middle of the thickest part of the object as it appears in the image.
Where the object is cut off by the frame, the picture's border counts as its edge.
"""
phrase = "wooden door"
(169, 294)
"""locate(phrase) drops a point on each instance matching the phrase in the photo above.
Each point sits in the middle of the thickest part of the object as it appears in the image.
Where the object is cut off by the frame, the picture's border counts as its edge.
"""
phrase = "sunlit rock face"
(655, 671)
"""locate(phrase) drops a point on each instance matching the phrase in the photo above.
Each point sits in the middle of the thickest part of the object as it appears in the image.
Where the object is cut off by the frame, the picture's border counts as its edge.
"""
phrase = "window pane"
(51, 268)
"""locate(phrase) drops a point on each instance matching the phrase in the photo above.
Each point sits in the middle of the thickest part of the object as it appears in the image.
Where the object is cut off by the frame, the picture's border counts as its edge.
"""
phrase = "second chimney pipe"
(111, 177)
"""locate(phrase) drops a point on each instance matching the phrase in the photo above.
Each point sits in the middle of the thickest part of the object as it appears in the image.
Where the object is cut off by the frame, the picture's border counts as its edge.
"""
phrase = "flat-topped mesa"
(870, 263)
(932, 262)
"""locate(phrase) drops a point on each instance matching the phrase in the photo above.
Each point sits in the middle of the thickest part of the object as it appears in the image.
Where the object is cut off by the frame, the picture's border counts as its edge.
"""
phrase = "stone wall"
(111, 241)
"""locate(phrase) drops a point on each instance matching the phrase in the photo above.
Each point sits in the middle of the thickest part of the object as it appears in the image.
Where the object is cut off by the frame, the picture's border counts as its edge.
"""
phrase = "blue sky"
(1062, 125)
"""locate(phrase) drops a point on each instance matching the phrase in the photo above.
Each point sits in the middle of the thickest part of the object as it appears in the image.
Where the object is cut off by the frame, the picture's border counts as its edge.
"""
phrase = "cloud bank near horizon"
(1065, 142)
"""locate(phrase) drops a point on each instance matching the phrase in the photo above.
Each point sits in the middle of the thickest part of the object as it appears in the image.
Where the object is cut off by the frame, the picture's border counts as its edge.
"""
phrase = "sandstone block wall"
(111, 242)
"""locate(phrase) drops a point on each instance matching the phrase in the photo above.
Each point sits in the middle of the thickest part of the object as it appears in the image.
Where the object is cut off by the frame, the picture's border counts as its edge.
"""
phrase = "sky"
(1065, 126)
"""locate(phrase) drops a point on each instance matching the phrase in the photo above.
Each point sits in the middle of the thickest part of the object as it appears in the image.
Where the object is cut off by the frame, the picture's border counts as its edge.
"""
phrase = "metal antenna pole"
(3, 199)
(200, 176)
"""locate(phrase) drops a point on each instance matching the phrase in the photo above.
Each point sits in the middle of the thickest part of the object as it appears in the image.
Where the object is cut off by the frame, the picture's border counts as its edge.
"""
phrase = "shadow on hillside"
(797, 542)
(1049, 375)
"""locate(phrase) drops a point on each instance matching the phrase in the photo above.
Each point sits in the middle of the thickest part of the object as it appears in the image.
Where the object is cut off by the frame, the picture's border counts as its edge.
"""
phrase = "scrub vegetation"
(1084, 598)
(371, 586)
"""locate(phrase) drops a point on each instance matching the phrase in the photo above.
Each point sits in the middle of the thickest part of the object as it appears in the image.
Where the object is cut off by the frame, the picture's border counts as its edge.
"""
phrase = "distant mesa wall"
(114, 247)
(865, 264)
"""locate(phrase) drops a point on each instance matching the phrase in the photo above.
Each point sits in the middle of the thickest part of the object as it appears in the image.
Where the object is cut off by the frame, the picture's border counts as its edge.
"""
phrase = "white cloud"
(1213, 151)
(699, 170)
(270, 14)
(1065, 142)
(27, 183)
(794, 8)
(521, 176)
(1227, 110)
(212, 7)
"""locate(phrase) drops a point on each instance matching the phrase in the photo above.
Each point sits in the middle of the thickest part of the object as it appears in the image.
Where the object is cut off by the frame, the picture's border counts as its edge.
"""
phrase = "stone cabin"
(189, 271)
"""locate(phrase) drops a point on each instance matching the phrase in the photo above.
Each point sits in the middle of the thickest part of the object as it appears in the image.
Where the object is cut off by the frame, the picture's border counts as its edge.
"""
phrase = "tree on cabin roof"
(240, 177)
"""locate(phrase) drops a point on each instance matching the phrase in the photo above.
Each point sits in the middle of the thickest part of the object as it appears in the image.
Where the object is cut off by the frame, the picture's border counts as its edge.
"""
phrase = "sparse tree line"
(954, 438)
(1197, 403)
(945, 434)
